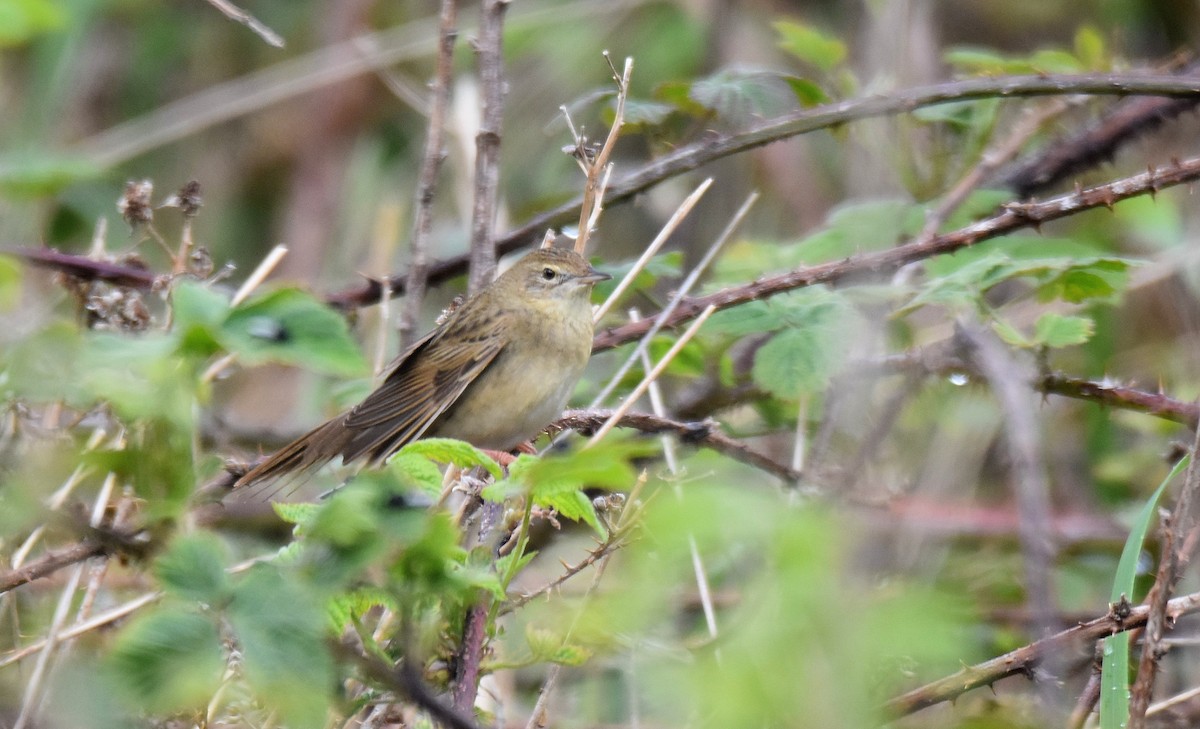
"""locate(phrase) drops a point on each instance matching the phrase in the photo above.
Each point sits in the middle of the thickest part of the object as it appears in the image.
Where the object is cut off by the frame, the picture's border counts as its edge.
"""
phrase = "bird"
(494, 372)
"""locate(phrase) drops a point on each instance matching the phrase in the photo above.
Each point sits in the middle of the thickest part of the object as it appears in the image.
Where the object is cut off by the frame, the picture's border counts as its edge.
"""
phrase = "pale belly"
(511, 402)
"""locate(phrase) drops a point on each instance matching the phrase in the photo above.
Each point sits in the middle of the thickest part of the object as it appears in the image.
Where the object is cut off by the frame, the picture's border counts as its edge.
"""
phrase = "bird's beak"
(593, 276)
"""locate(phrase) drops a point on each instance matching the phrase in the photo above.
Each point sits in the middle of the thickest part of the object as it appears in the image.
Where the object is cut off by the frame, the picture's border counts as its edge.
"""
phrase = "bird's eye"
(548, 273)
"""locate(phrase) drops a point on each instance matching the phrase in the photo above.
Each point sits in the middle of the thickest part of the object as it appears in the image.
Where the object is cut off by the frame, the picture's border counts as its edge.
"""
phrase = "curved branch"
(50, 563)
(719, 145)
(705, 433)
(1014, 217)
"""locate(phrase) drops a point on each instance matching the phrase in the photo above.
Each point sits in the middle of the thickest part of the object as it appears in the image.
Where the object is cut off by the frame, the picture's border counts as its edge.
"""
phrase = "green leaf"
(295, 513)
(1056, 330)
(803, 356)
(448, 450)
(807, 92)
(290, 326)
(1010, 334)
(194, 569)
(22, 20)
(809, 44)
(10, 282)
(280, 628)
(347, 607)
(1090, 48)
(576, 506)
(169, 660)
(197, 313)
(41, 173)
(416, 470)
(742, 95)
(1114, 671)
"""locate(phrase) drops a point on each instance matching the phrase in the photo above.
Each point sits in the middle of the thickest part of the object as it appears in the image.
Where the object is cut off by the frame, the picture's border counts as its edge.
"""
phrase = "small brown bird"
(494, 373)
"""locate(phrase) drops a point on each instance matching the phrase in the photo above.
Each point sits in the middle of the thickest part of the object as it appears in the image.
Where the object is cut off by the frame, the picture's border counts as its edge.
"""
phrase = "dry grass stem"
(664, 234)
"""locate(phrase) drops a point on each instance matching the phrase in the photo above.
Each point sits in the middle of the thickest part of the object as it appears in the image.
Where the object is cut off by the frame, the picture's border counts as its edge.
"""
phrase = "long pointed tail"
(315, 448)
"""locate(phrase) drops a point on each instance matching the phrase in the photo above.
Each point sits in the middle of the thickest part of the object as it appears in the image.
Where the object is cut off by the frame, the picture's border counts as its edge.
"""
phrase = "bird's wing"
(425, 381)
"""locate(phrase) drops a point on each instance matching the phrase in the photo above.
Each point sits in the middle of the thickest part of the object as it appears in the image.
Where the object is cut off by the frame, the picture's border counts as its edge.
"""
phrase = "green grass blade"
(1114, 677)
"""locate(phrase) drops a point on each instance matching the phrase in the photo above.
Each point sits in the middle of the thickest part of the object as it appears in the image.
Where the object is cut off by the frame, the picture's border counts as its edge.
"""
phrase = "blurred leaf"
(41, 173)
(807, 92)
(290, 326)
(169, 660)
(347, 607)
(663, 265)
(809, 44)
(1090, 49)
(447, 450)
(418, 471)
(1056, 330)
(1010, 334)
(280, 628)
(295, 513)
(193, 568)
(744, 95)
(800, 359)
(990, 62)
(10, 282)
(576, 506)
(21, 20)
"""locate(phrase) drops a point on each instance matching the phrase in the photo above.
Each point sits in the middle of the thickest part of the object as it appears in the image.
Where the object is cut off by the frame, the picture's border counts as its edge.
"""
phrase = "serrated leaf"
(416, 470)
(448, 450)
(809, 44)
(295, 512)
(290, 326)
(576, 506)
(344, 608)
(193, 568)
(743, 95)
(169, 660)
(1010, 334)
(1056, 330)
(280, 628)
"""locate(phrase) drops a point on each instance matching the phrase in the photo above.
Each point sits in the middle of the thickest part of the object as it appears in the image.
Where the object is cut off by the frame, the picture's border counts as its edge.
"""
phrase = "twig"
(1014, 217)
(651, 376)
(597, 168)
(664, 234)
(487, 143)
(1025, 658)
(1007, 377)
(684, 289)
(718, 146)
(238, 15)
(705, 433)
(50, 563)
(406, 681)
(1121, 124)
(702, 585)
(431, 162)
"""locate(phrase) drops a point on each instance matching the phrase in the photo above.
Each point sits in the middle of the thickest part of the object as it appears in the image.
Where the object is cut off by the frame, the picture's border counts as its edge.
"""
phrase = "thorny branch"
(1026, 658)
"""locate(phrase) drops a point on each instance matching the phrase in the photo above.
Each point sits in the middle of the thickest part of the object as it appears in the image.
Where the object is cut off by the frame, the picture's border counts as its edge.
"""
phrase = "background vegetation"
(953, 356)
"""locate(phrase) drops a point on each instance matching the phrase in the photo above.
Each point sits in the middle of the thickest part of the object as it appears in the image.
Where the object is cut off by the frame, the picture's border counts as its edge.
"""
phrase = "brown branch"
(706, 433)
(50, 563)
(1023, 660)
(86, 268)
(1007, 377)
(487, 144)
(719, 145)
(406, 681)
(1014, 217)
(431, 162)
(1123, 123)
